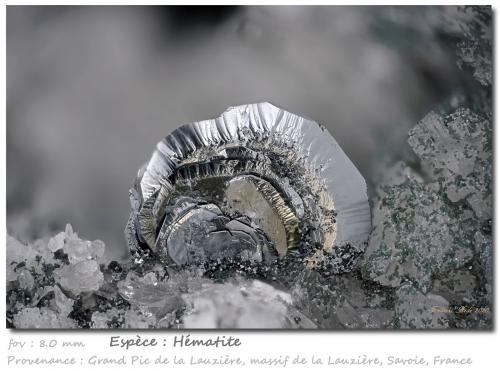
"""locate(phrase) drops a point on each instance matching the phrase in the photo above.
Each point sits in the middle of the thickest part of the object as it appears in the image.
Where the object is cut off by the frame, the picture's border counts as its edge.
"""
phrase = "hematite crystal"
(255, 184)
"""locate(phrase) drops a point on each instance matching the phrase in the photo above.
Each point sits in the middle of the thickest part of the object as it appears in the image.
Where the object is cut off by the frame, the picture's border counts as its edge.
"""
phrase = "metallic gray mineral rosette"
(256, 184)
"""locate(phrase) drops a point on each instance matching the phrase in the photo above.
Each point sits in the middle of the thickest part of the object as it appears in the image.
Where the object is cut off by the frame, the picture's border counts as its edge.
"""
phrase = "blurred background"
(91, 90)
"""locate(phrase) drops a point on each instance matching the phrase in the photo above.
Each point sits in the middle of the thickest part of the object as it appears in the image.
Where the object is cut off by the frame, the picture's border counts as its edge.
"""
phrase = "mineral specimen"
(431, 240)
(428, 263)
(426, 229)
(251, 185)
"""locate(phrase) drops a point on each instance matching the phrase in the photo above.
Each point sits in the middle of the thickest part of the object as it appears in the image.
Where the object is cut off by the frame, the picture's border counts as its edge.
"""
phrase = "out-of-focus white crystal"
(245, 304)
(57, 242)
(61, 303)
(77, 249)
(25, 279)
(102, 319)
(80, 277)
(69, 231)
(151, 295)
(41, 318)
(134, 319)
(143, 291)
(18, 253)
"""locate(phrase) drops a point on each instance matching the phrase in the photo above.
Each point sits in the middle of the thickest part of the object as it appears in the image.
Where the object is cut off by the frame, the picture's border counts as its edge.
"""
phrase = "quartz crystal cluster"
(43, 278)
(63, 283)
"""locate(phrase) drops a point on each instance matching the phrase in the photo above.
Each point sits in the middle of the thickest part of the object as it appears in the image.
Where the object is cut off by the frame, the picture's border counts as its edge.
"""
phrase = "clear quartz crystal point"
(256, 184)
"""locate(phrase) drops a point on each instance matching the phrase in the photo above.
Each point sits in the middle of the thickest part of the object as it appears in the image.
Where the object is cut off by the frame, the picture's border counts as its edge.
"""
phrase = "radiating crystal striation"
(250, 185)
